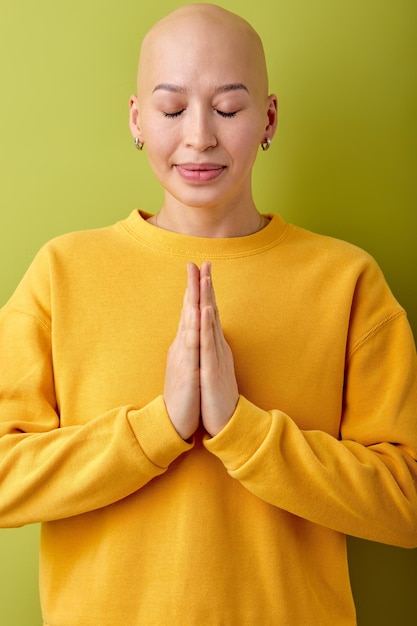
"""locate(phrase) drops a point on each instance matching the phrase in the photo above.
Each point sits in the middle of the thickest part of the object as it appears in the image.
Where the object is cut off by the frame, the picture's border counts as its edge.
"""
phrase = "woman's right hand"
(182, 377)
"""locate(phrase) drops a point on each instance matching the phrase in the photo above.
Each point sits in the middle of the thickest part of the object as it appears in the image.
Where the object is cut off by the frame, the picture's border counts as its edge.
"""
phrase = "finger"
(208, 299)
(208, 343)
(218, 336)
(213, 295)
(191, 330)
(213, 345)
(206, 290)
(205, 293)
(191, 296)
(182, 375)
(218, 386)
(190, 305)
(193, 286)
(205, 269)
(184, 353)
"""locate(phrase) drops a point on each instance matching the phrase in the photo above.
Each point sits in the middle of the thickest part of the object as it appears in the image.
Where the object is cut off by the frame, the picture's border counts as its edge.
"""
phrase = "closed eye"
(224, 114)
(175, 114)
(221, 113)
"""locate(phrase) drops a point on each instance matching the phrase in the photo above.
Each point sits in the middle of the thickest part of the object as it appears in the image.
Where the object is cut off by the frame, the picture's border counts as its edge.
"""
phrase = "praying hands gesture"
(200, 378)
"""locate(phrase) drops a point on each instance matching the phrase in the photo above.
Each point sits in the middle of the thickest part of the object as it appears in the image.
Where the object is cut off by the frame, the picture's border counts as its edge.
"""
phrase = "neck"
(211, 222)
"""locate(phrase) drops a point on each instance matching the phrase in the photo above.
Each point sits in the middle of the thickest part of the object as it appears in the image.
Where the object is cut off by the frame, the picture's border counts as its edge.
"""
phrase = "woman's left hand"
(218, 386)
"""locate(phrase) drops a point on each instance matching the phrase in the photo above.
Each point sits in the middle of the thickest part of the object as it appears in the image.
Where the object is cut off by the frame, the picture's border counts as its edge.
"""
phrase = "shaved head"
(196, 37)
(202, 107)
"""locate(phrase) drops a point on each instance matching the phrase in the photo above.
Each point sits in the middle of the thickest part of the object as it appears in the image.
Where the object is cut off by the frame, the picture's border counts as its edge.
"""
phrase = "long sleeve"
(50, 471)
(137, 522)
(361, 483)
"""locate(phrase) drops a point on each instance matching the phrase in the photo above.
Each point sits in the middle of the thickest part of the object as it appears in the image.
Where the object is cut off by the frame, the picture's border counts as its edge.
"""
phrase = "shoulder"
(88, 243)
(324, 245)
(338, 265)
(335, 257)
(72, 254)
(82, 240)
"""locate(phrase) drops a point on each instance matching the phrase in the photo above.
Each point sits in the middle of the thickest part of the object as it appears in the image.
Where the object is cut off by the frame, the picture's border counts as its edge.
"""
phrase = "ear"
(134, 123)
(272, 115)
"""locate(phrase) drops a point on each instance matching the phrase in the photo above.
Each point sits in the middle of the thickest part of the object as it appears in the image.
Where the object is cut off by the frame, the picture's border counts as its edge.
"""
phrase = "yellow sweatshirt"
(247, 528)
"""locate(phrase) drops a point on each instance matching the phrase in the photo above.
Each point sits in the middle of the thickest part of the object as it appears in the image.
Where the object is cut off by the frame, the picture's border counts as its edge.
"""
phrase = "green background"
(343, 163)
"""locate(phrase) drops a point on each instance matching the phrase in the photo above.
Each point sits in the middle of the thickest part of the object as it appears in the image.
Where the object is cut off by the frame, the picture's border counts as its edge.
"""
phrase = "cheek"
(245, 145)
(154, 131)
(159, 146)
(247, 135)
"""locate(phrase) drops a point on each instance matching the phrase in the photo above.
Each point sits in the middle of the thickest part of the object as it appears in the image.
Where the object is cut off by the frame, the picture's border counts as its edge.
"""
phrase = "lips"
(199, 172)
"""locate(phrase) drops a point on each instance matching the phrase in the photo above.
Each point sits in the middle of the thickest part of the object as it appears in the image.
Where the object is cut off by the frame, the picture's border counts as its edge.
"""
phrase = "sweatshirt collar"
(177, 244)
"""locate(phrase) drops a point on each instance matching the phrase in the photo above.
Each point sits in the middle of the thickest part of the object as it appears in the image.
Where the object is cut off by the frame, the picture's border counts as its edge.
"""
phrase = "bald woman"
(199, 405)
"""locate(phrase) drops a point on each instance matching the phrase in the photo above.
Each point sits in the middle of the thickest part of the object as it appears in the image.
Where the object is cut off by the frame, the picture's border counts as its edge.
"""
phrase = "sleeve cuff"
(242, 436)
(156, 435)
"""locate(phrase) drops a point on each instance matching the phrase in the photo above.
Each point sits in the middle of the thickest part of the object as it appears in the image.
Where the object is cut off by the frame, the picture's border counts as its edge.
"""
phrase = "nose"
(200, 129)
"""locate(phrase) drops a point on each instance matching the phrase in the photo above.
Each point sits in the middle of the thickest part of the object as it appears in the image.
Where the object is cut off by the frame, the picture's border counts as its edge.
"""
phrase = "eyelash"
(172, 115)
(221, 113)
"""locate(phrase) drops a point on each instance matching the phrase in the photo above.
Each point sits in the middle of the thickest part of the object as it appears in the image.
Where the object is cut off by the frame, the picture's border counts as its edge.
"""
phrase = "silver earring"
(138, 144)
(265, 145)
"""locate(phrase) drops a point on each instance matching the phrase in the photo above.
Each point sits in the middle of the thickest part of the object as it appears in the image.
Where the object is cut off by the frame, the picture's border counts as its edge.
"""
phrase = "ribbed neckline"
(177, 244)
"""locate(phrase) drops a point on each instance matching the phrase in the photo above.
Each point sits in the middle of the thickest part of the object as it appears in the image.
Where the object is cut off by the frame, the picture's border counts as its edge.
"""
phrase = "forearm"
(363, 491)
(68, 471)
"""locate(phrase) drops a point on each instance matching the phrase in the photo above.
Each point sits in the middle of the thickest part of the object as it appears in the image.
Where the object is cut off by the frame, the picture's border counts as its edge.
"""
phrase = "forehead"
(197, 49)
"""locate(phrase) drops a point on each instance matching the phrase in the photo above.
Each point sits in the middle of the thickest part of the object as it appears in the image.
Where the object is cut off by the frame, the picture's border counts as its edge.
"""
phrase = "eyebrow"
(169, 87)
(179, 89)
(231, 87)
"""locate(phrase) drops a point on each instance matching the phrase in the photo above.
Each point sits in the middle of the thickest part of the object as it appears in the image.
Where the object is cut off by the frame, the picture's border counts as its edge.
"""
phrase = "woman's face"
(202, 110)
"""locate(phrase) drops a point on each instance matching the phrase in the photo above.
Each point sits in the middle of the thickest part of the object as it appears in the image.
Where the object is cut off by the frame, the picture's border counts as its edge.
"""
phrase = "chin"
(201, 198)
